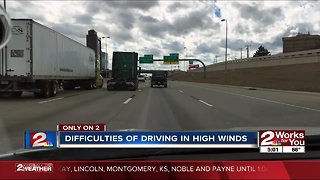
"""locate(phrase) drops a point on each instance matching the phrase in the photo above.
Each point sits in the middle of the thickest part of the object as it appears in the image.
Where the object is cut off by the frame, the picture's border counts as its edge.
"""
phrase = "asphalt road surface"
(183, 106)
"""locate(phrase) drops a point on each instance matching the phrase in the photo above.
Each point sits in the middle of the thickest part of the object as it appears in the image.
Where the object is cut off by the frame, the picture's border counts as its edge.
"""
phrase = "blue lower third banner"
(157, 139)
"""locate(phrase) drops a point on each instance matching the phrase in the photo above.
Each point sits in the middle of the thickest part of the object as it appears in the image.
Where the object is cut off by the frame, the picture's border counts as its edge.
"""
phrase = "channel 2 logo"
(40, 139)
(282, 138)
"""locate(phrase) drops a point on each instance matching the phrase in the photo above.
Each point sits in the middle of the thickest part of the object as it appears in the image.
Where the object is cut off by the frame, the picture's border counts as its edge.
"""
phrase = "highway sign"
(148, 58)
(173, 58)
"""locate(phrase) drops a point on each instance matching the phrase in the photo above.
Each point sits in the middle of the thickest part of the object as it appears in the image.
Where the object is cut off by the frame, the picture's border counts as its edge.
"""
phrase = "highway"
(183, 106)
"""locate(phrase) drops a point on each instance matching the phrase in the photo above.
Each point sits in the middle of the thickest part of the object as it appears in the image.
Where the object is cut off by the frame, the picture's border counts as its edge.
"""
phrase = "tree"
(261, 52)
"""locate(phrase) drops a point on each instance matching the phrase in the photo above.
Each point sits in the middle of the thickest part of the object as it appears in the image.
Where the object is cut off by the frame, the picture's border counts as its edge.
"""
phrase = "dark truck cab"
(159, 79)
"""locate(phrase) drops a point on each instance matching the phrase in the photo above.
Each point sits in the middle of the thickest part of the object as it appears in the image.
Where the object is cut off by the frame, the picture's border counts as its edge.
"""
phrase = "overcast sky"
(163, 27)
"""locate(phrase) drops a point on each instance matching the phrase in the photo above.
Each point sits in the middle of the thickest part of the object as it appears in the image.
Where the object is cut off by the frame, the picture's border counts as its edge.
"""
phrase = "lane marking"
(180, 91)
(127, 101)
(205, 103)
(50, 100)
(277, 102)
(194, 98)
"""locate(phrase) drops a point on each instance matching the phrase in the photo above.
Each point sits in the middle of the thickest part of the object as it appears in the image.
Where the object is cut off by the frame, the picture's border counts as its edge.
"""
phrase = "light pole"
(225, 61)
(185, 67)
(217, 59)
(106, 56)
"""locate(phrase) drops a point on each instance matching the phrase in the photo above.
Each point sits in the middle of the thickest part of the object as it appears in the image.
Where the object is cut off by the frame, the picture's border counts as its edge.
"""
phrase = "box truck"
(124, 71)
(40, 60)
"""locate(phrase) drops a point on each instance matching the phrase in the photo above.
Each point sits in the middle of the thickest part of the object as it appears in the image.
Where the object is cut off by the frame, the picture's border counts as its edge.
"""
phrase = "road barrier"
(301, 57)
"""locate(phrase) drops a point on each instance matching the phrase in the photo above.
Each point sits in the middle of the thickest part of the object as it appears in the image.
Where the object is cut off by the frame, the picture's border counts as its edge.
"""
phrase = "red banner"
(159, 169)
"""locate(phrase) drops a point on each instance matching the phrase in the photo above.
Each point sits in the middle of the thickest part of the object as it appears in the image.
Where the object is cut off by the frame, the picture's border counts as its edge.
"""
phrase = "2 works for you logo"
(282, 138)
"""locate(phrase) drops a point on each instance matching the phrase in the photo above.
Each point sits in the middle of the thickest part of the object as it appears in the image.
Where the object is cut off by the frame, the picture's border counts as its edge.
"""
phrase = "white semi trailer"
(38, 59)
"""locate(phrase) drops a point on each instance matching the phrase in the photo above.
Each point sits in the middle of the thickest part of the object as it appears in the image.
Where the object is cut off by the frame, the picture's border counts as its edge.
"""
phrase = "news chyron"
(96, 136)
(282, 141)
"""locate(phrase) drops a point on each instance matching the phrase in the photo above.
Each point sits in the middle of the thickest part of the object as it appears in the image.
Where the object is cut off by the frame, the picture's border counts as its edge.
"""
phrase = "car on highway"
(141, 78)
(159, 79)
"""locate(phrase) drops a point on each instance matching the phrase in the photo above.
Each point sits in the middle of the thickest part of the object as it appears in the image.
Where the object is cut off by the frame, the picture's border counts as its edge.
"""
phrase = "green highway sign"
(173, 58)
(148, 58)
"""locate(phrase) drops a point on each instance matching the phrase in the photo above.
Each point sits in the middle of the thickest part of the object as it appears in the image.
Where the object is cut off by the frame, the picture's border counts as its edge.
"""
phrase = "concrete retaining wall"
(301, 57)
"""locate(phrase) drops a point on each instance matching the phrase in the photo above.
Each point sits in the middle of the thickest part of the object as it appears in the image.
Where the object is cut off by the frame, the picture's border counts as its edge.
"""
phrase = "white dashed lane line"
(205, 103)
(128, 100)
(201, 101)
(41, 102)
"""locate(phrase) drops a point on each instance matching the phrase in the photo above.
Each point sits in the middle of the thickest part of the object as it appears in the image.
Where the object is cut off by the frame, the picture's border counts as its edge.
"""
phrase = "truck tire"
(45, 89)
(54, 89)
(88, 85)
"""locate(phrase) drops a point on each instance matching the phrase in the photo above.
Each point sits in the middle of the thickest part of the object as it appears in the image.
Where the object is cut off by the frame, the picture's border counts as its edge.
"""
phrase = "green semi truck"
(124, 71)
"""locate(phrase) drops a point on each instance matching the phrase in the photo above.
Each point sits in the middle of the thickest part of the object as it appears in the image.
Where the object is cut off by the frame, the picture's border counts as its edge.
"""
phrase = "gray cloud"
(84, 19)
(155, 51)
(69, 29)
(148, 19)
(111, 6)
(176, 6)
(182, 25)
(153, 27)
(136, 4)
(126, 19)
(122, 37)
(204, 48)
(174, 46)
(262, 17)
(20, 12)
(242, 28)
(96, 7)
(142, 5)
(194, 20)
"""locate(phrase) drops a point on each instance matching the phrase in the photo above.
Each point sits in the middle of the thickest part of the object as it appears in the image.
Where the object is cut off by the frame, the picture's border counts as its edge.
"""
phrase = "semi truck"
(124, 71)
(40, 60)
